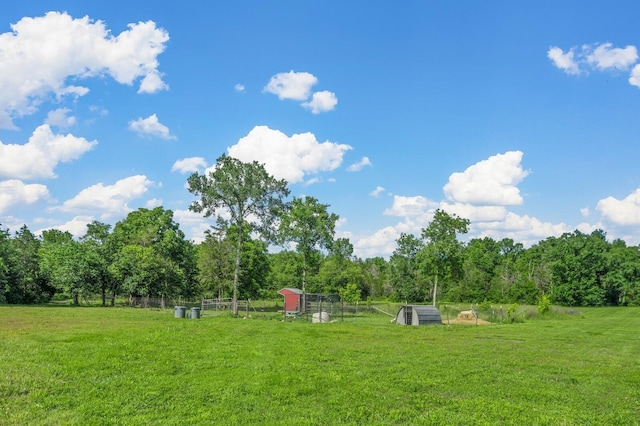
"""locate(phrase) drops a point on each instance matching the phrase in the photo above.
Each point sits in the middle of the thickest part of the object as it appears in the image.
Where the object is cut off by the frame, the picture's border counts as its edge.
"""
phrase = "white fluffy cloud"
(291, 85)
(193, 224)
(239, 88)
(189, 165)
(604, 56)
(42, 54)
(564, 61)
(14, 192)
(297, 86)
(523, 229)
(38, 157)
(321, 102)
(481, 194)
(60, 118)
(489, 182)
(76, 226)
(601, 57)
(410, 206)
(108, 200)
(376, 192)
(356, 167)
(288, 157)
(150, 127)
(625, 212)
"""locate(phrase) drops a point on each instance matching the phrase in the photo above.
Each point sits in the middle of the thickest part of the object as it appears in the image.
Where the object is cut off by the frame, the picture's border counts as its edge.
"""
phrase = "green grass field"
(92, 366)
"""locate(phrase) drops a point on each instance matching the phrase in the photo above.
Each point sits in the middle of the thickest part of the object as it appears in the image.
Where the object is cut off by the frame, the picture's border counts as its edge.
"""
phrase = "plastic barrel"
(179, 311)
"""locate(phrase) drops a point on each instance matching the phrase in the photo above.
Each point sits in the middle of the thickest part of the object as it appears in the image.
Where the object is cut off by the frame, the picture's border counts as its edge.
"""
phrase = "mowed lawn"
(92, 366)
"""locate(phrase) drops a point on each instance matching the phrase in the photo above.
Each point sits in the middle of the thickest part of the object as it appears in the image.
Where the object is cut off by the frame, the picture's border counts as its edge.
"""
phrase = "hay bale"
(467, 315)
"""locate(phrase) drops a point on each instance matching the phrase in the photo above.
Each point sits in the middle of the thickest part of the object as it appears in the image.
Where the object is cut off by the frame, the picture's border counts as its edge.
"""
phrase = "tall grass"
(64, 365)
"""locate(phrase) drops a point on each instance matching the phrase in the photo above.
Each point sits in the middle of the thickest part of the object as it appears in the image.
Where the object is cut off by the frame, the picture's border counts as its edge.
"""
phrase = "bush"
(544, 304)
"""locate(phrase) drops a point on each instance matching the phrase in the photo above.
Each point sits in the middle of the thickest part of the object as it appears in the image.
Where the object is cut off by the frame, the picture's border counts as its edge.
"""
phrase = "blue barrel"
(195, 313)
(179, 311)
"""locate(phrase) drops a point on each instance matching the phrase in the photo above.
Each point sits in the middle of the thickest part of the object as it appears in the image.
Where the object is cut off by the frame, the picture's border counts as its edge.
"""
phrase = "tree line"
(146, 254)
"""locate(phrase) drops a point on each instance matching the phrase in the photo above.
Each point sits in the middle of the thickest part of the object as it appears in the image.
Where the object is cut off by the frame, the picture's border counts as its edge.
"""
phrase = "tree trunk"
(435, 289)
(236, 275)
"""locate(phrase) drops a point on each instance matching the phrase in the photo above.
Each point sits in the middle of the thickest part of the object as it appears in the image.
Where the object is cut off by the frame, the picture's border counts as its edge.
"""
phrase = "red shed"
(292, 300)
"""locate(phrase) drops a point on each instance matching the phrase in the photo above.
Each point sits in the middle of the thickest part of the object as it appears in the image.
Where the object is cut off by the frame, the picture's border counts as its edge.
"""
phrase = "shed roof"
(290, 291)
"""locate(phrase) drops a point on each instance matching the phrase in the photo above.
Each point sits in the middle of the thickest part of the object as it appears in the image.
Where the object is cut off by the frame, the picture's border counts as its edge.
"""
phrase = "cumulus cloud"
(42, 54)
(604, 56)
(481, 194)
(41, 154)
(291, 85)
(625, 212)
(288, 157)
(189, 165)
(321, 102)
(376, 192)
(410, 206)
(60, 118)
(521, 228)
(150, 127)
(356, 167)
(381, 243)
(600, 57)
(108, 200)
(564, 61)
(14, 192)
(193, 224)
(76, 226)
(634, 78)
(475, 213)
(297, 86)
(239, 87)
(489, 182)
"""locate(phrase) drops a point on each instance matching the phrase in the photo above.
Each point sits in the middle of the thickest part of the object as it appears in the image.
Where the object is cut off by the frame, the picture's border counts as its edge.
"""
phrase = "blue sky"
(521, 117)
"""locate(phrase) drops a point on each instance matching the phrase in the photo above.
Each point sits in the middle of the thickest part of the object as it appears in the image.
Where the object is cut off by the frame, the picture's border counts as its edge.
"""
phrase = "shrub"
(544, 304)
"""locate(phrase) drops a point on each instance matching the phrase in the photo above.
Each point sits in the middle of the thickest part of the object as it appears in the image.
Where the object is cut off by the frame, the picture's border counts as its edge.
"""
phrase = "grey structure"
(418, 315)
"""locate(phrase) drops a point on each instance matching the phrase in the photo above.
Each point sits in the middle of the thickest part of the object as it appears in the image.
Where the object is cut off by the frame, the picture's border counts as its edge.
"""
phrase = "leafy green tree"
(481, 261)
(75, 268)
(242, 195)
(507, 271)
(350, 293)
(151, 256)
(579, 269)
(375, 271)
(310, 226)
(404, 269)
(622, 281)
(96, 250)
(25, 281)
(284, 271)
(339, 269)
(215, 263)
(5, 256)
(441, 257)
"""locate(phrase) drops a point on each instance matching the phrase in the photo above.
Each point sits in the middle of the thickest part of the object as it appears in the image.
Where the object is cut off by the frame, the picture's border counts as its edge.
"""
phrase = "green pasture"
(94, 366)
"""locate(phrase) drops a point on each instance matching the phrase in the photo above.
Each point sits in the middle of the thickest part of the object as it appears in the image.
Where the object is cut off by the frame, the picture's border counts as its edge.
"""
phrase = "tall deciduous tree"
(152, 256)
(308, 224)
(404, 271)
(441, 256)
(243, 195)
(27, 283)
(94, 244)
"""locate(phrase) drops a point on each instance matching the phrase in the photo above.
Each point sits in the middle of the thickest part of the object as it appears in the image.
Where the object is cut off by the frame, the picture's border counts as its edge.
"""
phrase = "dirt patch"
(461, 321)
(467, 318)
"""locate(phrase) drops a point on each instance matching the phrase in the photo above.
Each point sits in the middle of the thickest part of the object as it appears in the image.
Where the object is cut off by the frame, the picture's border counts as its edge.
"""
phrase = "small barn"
(418, 315)
(292, 300)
